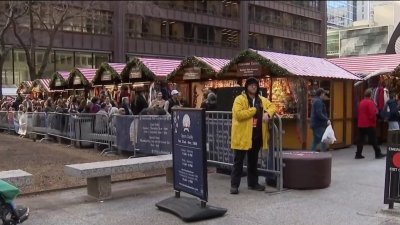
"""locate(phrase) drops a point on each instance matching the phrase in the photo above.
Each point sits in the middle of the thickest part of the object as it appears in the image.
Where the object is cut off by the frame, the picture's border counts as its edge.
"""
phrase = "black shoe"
(359, 157)
(380, 156)
(234, 190)
(257, 187)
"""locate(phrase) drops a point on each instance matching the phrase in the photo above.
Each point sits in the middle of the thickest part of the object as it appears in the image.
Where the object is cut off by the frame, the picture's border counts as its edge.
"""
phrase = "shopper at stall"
(366, 125)
(158, 102)
(172, 102)
(319, 120)
(96, 105)
(391, 114)
(125, 106)
(210, 104)
(250, 114)
(139, 103)
(27, 102)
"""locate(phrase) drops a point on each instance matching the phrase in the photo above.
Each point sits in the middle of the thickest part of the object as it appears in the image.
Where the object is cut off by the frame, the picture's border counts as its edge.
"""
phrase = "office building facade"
(117, 30)
(341, 14)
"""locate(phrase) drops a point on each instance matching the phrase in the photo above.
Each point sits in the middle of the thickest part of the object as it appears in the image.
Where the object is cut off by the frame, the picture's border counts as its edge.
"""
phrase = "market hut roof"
(27, 84)
(44, 84)
(115, 70)
(62, 76)
(284, 64)
(368, 64)
(85, 74)
(151, 68)
(211, 66)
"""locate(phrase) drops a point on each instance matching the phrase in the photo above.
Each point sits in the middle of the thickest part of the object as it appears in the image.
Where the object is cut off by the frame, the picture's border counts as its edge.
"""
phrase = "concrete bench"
(18, 178)
(98, 174)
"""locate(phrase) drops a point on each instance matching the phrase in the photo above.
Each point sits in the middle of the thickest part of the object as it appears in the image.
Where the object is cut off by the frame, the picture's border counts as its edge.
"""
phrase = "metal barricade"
(37, 125)
(4, 124)
(219, 151)
(94, 128)
(61, 125)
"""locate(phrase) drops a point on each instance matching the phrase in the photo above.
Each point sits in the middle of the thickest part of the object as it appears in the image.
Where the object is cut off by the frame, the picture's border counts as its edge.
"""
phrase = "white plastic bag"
(329, 136)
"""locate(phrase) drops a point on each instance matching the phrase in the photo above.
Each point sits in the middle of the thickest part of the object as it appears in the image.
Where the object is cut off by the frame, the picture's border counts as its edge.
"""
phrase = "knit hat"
(252, 80)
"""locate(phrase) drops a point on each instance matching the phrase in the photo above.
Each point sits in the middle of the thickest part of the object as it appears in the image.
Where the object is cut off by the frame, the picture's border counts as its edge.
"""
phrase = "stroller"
(9, 213)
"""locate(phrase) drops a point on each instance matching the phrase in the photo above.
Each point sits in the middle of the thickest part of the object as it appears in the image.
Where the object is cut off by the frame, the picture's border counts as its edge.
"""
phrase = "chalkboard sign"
(392, 180)
(189, 152)
(154, 135)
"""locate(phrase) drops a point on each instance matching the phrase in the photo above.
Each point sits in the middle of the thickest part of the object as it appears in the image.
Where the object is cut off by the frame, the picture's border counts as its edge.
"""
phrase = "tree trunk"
(32, 64)
(1, 77)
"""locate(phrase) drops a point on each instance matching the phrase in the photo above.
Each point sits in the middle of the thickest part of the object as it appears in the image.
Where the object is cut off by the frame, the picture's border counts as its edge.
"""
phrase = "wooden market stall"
(196, 74)
(107, 79)
(145, 74)
(79, 82)
(290, 82)
(40, 89)
(378, 72)
(24, 87)
(58, 84)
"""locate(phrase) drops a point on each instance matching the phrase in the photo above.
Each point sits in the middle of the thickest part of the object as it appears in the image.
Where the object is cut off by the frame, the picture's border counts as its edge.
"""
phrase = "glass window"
(21, 70)
(202, 34)
(64, 60)
(135, 26)
(100, 58)
(49, 66)
(83, 60)
(176, 30)
(188, 32)
(7, 73)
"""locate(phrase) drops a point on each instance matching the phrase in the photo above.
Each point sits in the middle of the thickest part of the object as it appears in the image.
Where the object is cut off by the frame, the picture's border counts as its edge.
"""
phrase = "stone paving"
(354, 197)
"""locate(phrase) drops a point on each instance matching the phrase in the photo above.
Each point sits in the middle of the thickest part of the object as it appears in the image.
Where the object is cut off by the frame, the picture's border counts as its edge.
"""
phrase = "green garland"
(193, 61)
(76, 72)
(105, 67)
(52, 83)
(136, 62)
(251, 54)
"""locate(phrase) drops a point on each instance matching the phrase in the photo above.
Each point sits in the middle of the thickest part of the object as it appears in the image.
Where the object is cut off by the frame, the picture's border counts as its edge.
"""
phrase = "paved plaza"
(354, 197)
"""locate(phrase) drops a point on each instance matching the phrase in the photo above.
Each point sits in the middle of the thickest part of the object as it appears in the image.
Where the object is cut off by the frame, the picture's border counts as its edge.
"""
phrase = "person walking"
(391, 113)
(366, 125)
(319, 120)
(250, 114)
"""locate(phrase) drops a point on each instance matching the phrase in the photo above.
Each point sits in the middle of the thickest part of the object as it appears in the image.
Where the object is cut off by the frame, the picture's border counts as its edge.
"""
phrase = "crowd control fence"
(143, 134)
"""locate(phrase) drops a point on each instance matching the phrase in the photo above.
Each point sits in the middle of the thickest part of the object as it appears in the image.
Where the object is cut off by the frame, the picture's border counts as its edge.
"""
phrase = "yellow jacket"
(242, 123)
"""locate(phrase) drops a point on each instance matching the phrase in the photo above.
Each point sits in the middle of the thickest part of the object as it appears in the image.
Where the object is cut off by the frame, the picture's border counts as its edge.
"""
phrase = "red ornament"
(396, 160)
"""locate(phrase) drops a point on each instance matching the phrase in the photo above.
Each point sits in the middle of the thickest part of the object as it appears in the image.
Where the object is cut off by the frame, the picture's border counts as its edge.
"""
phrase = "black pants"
(370, 132)
(252, 172)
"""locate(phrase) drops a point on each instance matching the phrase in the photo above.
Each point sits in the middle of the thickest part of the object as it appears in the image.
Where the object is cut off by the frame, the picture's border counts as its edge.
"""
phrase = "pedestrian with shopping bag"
(367, 112)
(319, 120)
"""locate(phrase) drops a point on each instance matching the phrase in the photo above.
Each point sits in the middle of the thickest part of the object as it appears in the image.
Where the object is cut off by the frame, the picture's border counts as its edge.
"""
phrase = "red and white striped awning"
(64, 74)
(308, 66)
(45, 84)
(160, 67)
(28, 83)
(88, 73)
(368, 64)
(118, 67)
(215, 63)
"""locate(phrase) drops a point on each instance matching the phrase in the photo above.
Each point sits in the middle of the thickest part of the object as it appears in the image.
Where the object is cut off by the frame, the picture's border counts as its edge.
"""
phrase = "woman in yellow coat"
(250, 115)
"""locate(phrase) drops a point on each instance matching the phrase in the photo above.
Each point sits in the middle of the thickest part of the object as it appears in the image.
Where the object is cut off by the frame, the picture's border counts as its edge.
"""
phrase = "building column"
(119, 30)
(324, 28)
(244, 25)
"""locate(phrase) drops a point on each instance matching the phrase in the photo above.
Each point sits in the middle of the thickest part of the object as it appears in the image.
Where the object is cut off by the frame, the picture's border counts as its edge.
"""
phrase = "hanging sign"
(106, 76)
(248, 69)
(135, 73)
(77, 80)
(58, 82)
(192, 73)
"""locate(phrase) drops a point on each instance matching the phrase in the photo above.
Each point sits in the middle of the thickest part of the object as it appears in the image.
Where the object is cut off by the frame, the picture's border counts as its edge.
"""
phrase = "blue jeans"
(317, 137)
